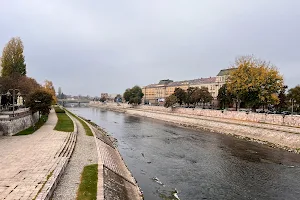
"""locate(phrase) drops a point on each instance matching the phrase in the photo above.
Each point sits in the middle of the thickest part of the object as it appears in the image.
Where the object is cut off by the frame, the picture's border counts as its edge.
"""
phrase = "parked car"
(286, 112)
(260, 111)
(271, 112)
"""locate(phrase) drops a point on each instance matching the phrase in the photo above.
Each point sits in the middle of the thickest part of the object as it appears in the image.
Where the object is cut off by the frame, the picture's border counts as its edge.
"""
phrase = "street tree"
(205, 96)
(24, 84)
(189, 95)
(282, 96)
(255, 82)
(225, 98)
(180, 94)
(293, 96)
(103, 99)
(133, 95)
(13, 60)
(170, 101)
(48, 85)
(195, 97)
(40, 100)
(127, 94)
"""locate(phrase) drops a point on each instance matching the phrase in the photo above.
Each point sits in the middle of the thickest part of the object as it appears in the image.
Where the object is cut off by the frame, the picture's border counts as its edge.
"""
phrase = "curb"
(56, 174)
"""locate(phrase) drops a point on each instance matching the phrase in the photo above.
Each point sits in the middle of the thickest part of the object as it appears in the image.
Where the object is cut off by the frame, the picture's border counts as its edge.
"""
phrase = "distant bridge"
(74, 102)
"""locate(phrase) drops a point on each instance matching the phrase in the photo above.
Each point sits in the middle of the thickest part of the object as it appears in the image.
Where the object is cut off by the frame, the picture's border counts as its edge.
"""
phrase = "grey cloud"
(89, 47)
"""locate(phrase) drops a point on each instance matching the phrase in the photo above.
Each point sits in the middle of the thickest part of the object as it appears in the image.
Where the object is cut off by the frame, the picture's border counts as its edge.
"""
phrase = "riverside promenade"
(28, 162)
(42, 165)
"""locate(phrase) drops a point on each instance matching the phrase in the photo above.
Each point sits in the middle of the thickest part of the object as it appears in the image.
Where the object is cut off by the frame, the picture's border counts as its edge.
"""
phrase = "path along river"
(198, 165)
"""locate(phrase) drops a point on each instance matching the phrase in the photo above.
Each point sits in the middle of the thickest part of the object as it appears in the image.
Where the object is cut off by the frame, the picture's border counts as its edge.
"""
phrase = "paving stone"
(25, 160)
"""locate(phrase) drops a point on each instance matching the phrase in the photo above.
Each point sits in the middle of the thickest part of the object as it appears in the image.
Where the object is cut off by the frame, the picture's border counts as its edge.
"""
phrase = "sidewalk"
(27, 161)
(85, 153)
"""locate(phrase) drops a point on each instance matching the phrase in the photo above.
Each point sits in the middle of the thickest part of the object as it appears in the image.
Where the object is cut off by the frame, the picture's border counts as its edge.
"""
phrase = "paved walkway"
(26, 161)
(85, 153)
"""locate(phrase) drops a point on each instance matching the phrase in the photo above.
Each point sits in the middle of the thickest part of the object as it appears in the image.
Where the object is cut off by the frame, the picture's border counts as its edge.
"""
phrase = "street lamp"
(292, 101)
(14, 94)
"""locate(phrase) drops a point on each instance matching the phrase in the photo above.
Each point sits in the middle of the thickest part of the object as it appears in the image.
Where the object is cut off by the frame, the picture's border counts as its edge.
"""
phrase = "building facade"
(156, 93)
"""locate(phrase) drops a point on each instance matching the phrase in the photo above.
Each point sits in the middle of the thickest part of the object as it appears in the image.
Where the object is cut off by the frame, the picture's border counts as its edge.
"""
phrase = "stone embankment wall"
(13, 125)
(279, 138)
(288, 120)
(234, 123)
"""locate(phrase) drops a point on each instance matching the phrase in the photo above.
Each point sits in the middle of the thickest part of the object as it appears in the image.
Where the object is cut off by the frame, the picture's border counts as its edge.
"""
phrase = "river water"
(166, 159)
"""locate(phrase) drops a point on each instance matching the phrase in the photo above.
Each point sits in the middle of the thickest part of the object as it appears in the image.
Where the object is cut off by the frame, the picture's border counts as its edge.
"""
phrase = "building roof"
(203, 81)
(178, 83)
(225, 72)
(165, 82)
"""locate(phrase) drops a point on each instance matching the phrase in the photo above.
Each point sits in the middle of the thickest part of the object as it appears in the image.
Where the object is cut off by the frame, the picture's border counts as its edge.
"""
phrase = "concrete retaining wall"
(277, 138)
(11, 126)
(288, 120)
(281, 137)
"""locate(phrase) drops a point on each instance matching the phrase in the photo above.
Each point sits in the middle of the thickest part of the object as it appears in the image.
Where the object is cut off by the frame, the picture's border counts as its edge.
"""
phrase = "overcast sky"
(87, 47)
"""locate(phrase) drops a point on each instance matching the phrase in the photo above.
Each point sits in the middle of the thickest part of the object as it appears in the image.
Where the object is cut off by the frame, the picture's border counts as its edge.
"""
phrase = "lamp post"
(38, 101)
(14, 93)
(292, 101)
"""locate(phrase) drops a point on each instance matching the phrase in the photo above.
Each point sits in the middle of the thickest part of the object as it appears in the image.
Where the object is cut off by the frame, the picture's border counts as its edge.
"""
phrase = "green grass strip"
(88, 186)
(32, 129)
(64, 123)
(87, 129)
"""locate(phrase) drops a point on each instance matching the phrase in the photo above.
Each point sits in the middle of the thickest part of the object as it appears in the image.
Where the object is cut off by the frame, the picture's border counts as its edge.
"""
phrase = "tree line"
(192, 96)
(256, 84)
(14, 77)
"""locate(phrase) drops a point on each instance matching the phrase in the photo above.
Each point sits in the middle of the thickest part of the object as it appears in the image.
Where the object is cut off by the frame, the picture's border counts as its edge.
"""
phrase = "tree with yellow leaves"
(255, 82)
(48, 86)
(13, 60)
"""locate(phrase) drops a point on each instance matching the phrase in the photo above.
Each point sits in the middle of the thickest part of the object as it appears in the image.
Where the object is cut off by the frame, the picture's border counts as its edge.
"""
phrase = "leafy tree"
(135, 100)
(133, 95)
(24, 84)
(282, 100)
(225, 98)
(13, 60)
(171, 101)
(195, 97)
(189, 95)
(127, 94)
(205, 96)
(294, 95)
(102, 99)
(48, 85)
(180, 94)
(40, 100)
(256, 82)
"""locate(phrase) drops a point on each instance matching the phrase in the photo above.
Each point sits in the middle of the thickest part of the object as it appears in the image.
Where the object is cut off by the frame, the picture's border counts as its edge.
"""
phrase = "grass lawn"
(64, 122)
(32, 129)
(88, 185)
(87, 129)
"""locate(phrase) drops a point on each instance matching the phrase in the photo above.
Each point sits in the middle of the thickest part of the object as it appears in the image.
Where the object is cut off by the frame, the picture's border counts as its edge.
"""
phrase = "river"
(167, 159)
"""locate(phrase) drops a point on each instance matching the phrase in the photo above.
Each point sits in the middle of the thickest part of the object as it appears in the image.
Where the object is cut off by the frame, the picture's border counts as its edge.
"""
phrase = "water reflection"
(199, 165)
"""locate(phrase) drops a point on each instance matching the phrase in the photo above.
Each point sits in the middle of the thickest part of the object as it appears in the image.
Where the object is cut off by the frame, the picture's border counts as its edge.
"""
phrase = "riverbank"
(115, 181)
(275, 135)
